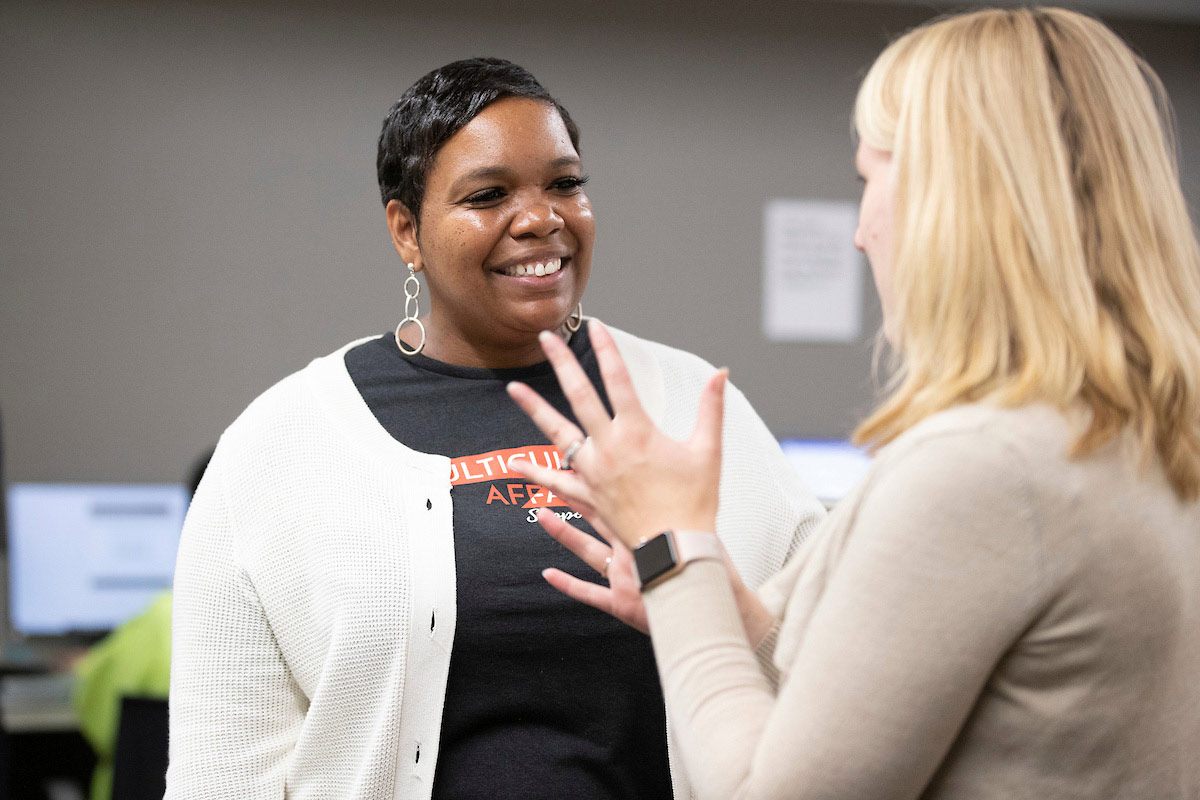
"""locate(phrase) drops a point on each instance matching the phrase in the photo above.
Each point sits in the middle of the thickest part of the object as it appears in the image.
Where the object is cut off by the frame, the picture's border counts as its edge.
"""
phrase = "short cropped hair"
(438, 106)
(1042, 245)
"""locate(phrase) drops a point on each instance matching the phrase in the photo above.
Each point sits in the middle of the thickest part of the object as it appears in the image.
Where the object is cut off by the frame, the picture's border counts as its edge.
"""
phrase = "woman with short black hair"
(359, 611)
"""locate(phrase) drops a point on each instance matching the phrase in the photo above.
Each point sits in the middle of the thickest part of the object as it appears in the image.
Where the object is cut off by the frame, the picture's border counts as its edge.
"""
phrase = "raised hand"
(634, 478)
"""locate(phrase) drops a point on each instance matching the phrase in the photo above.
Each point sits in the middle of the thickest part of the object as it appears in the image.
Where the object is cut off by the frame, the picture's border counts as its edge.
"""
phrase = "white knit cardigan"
(314, 607)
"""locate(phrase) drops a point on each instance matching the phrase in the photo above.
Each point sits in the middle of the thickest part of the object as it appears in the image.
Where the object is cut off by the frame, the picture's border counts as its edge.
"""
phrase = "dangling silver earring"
(575, 321)
(412, 289)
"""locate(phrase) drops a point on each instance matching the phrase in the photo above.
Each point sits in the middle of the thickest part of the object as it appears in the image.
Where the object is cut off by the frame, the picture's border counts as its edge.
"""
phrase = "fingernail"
(544, 335)
(546, 574)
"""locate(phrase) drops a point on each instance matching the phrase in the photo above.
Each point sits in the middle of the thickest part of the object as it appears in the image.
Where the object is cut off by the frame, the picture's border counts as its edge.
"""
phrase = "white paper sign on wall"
(812, 275)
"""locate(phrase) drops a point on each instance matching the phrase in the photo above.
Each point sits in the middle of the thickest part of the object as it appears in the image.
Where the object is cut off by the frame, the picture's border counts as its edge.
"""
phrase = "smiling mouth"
(547, 266)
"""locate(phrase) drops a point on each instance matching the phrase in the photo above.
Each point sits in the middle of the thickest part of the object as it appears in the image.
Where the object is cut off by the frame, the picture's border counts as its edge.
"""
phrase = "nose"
(539, 219)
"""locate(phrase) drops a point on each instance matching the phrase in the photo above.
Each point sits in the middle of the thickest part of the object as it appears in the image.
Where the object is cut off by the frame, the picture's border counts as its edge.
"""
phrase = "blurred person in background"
(1009, 603)
(358, 607)
(132, 661)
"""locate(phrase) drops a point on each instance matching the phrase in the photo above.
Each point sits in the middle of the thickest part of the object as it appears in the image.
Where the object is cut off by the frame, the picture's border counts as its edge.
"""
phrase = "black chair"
(140, 759)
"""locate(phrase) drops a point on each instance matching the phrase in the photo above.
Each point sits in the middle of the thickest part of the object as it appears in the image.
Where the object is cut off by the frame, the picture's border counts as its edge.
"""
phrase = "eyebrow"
(486, 173)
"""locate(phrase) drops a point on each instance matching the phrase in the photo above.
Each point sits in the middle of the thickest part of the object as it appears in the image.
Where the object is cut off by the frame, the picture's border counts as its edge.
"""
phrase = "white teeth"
(535, 268)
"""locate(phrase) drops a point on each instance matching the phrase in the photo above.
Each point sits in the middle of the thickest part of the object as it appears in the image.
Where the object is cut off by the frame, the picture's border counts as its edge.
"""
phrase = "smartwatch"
(667, 553)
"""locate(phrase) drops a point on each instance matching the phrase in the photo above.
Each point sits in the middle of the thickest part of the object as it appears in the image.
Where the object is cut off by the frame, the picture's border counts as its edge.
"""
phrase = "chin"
(548, 319)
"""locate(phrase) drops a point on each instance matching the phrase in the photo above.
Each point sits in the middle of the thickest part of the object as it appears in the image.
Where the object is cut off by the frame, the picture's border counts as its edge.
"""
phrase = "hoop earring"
(412, 289)
(575, 321)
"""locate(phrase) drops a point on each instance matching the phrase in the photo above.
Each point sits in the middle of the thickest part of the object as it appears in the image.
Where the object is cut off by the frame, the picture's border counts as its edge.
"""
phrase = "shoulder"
(639, 350)
(968, 462)
(295, 448)
(293, 416)
(982, 435)
(669, 381)
(293, 395)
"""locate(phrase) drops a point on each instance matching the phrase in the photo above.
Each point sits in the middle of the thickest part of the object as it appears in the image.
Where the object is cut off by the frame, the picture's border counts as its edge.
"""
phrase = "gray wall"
(190, 210)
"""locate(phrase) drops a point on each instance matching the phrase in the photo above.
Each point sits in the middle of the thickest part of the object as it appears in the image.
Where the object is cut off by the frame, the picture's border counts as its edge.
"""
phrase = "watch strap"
(666, 554)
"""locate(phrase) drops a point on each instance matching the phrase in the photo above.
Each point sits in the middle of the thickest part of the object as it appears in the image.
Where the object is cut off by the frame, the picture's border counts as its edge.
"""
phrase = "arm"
(235, 710)
(937, 580)
(622, 598)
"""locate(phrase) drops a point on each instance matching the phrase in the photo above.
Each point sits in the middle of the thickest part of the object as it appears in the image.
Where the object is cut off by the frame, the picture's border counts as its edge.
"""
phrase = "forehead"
(513, 129)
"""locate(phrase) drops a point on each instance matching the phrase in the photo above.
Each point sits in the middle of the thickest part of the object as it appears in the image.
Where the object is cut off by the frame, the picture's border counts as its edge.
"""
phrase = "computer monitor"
(83, 558)
(829, 468)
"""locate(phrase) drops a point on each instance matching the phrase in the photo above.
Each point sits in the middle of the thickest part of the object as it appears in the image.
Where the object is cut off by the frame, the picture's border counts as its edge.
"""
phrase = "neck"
(522, 351)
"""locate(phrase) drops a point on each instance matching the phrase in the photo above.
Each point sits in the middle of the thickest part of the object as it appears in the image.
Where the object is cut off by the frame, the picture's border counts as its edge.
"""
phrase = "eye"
(484, 196)
(570, 184)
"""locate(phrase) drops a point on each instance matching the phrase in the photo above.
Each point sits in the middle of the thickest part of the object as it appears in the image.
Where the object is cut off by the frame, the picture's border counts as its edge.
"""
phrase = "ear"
(403, 227)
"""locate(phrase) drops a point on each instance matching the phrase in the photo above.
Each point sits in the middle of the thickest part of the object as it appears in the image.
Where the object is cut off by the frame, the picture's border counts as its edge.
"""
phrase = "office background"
(190, 209)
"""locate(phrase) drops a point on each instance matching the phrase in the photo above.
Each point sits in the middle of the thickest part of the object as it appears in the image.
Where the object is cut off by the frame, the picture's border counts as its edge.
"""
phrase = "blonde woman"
(1009, 604)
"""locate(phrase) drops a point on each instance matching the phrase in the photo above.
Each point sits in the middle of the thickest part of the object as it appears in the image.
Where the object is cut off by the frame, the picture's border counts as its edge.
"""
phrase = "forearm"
(756, 620)
(873, 698)
(716, 694)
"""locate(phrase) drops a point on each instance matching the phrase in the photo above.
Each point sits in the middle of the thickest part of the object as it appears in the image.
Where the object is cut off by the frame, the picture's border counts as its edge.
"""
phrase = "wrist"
(647, 531)
(667, 553)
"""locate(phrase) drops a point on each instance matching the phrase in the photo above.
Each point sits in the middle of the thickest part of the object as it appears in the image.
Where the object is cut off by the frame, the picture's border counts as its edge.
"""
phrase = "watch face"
(654, 557)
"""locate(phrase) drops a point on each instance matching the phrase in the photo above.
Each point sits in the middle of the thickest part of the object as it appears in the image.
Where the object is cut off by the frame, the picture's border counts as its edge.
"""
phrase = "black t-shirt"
(546, 697)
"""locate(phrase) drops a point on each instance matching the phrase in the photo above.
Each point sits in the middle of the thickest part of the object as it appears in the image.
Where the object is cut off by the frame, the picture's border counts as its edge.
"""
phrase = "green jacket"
(135, 659)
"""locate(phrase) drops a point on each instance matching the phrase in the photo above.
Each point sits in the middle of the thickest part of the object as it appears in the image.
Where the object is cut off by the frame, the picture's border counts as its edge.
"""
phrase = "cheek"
(462, 237)
(873, 237)
(583, 225)
(874, 226)
(866, 219)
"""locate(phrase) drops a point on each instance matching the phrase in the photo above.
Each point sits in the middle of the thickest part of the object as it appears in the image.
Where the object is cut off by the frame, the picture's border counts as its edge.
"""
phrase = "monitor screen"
(84, 558)
(829, 468)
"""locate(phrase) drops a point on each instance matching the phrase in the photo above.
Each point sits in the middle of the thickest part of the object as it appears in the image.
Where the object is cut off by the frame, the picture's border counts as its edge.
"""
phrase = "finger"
(589, 549)
(592, 594)
(711, 414)
(576, 385)
(558, 429)
(566, 485)
(617, 382)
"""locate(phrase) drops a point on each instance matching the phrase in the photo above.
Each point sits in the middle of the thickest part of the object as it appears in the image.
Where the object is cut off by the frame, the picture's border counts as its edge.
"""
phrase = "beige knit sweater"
(982, 618)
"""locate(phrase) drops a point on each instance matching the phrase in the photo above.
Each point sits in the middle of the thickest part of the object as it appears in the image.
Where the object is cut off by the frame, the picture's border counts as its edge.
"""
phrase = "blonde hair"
(1043, 250)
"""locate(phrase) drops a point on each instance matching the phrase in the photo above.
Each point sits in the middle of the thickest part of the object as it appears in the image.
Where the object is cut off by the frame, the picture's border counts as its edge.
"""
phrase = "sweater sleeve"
(235, 710)
(937, 580)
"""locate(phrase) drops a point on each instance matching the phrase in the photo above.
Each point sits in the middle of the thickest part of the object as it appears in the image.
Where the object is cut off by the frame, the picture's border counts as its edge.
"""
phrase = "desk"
(33, 703)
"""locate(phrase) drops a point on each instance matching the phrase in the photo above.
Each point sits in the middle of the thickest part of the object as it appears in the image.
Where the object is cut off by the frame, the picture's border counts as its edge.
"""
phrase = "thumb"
(710, 417)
